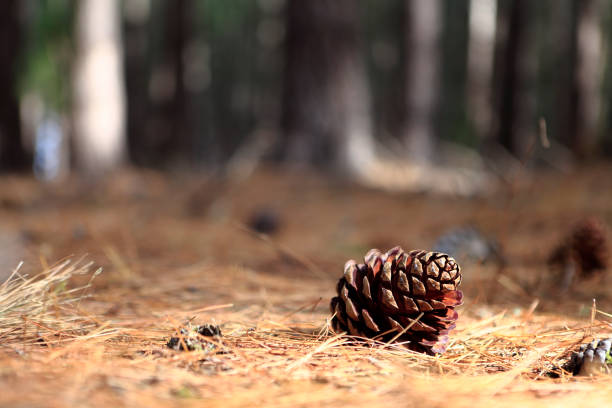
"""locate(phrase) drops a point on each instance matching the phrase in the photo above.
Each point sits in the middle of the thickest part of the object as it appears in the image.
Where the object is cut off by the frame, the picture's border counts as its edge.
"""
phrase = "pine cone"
(593, 358)
(589, 244)
(383, 298)
(194, 338)
(584, 249)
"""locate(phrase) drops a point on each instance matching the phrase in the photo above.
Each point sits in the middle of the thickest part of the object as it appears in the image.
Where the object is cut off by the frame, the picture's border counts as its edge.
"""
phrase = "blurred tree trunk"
(480, 64)
(137, 76)
(556, 68)
(178, 32)
(515, 68)
(423, 28)
(326, 106)
(587, 78)
(99, 105)
(167, 137)
(606, 109)
(451, 118)
(12, 153)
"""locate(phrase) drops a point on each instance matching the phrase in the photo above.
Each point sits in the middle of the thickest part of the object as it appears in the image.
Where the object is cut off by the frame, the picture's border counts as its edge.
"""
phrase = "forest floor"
(176, 249)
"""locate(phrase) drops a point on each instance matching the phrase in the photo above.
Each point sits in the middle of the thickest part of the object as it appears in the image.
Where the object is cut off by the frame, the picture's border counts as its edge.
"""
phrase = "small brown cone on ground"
(583, 253)
(404, 297)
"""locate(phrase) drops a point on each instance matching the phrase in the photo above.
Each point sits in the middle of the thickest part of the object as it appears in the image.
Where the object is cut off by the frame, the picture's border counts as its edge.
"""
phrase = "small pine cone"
(193, 337)
(591, 359)
(589, 244)
(384, 297)
(585, 248)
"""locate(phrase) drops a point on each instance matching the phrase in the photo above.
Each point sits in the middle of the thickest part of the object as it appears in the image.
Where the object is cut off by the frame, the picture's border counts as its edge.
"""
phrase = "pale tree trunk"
(326, 109)
(481, 47)
(587, 76)
(99, 101)
(423, 27)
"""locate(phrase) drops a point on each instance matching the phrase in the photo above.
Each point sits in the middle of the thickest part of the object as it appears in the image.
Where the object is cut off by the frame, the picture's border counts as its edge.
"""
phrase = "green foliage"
(47, 51)
(222, 20)
(185, 392)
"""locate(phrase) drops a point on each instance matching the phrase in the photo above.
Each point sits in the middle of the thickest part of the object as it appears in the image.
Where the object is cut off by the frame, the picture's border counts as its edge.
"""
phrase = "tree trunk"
(480, 64)
(136, 51)
(326, 111)
(556, 69)
(167, 137)
(515, 122)
(99, 106)
(586, 97)
(451, 117)
(423, 27)
(178, 140)
(12, 153)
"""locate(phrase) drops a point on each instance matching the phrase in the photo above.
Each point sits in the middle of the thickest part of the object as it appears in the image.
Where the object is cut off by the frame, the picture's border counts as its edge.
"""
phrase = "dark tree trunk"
(326, 112)
(515, 122)
(606, 109)
(556, 67)
(175, 144)
(12, 153)
(451, 120)
(160, 129)
(178, 33)
(137, 76)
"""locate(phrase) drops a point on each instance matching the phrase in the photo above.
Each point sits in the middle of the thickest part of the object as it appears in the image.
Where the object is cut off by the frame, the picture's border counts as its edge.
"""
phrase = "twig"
(284, 251)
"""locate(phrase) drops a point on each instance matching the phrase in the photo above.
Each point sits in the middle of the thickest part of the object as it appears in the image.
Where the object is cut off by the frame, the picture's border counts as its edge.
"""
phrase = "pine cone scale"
(417, 267)
(369, 321)
(388, 300)
(402, 282)
(424, 306)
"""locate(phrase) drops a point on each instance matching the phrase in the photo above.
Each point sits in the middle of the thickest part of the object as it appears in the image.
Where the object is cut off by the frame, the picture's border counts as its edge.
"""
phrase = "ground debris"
(196, 338)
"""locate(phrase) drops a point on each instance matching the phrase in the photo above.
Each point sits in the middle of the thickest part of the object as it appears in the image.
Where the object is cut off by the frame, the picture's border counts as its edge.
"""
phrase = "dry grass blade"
(331, 342)
(33, 307)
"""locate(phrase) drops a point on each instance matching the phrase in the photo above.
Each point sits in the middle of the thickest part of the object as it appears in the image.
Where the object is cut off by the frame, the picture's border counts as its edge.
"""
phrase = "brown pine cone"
(383, 298)
(585, 249)
(589, 243)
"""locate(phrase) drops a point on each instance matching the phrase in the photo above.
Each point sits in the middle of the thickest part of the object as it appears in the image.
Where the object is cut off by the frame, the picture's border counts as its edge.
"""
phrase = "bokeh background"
(341, 86)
